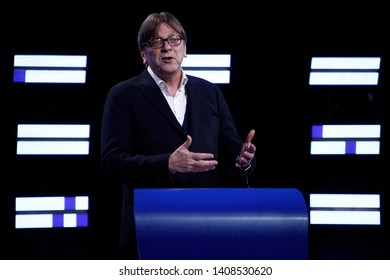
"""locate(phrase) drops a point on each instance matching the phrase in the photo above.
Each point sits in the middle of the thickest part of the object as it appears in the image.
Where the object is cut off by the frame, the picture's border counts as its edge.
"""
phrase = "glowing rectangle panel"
(81, 202)
(344, 71)
(52, 139)
(346, 131)
(50, 68)
(345, 200)
(51, 203)
(214, 68)
(345, 63)
(52, 148)
(366, 148)
(217, 76)
(345, 217)
(53, 131)
(70, 220)
(34, 221)
(327, 148)
(345, 209)
(340, 139)
(51, 212)
(52, 61)
(207, 60)
(345, 148)
(24, 221)
(342, 78)
(50, 76)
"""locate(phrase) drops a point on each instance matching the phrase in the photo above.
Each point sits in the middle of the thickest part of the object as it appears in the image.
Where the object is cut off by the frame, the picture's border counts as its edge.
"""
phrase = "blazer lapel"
(193, 109)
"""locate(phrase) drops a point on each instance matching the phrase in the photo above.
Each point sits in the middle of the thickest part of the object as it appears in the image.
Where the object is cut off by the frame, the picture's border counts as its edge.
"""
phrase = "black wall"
(271, 48)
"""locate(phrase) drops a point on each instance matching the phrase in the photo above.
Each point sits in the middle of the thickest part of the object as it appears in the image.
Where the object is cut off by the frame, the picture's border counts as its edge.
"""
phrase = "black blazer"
(139, 132)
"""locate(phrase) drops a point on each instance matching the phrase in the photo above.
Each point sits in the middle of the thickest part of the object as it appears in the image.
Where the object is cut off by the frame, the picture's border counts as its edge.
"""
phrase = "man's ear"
(143, 57)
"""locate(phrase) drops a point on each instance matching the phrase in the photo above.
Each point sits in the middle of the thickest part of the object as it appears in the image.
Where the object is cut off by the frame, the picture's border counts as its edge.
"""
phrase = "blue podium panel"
(221, 223)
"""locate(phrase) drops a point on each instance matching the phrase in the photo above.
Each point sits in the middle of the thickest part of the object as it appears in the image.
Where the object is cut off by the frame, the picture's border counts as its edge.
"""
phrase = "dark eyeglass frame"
(157, 43)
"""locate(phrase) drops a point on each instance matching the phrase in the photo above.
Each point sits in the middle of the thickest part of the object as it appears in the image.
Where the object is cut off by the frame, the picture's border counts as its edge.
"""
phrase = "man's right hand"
(183, 160)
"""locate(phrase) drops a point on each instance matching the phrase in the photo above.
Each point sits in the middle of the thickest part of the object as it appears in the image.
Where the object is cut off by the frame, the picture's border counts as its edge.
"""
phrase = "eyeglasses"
(157, 43)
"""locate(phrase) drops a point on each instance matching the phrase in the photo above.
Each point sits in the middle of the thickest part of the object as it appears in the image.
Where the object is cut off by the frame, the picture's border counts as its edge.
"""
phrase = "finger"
(249, 137)
(202, 156)
(187, 143)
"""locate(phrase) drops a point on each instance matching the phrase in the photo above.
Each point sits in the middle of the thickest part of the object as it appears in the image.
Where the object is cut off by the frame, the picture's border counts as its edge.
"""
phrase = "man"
(165, 129)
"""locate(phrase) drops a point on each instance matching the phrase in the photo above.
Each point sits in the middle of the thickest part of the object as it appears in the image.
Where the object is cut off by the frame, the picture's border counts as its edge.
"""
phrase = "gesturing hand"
(183, 160)
(247, 152)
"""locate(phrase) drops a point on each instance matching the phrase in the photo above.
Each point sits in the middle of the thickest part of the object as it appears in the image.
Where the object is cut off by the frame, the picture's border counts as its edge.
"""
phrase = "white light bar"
(54, 76)
(346, 63)
(340, 139)
(344, 71)
(53, 131)
(341, 78)
(214, 68)
(345, 200)
(50, 61)
(345, 217)
(34, 221)
(207, 60)
(50, 68)
(52, 148)
(218, 77)
(48, 220)
(52, 139)
(345, 209)
(51, 212)
(344, 147)
(48, 203)
(347, 131)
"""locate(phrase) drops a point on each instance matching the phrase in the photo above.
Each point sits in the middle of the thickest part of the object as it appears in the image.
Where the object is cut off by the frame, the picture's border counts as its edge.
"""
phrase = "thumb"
(187, 143)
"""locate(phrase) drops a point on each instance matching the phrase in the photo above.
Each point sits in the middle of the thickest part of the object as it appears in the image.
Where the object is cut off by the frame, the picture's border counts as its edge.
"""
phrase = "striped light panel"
(345, 209)
(51, 212)
(345, 140)
(212, 67)
(50, 68)
(344, 71)
(53, 139)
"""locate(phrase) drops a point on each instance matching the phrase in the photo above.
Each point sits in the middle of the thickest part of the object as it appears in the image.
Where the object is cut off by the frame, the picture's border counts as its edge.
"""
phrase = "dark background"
(271, 47)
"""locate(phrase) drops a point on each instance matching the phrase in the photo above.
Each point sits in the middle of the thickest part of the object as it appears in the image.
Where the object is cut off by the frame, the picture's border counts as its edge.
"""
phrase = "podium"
(221, 224)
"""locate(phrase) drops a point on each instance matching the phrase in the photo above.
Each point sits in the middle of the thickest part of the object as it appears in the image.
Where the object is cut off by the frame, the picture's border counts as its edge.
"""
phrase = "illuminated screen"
(51, 212)
(53, 139)
(50, 68)
(344, 71)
